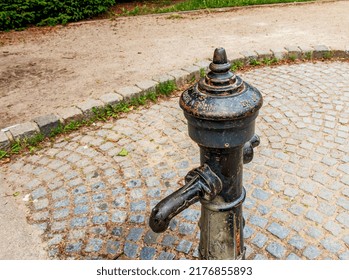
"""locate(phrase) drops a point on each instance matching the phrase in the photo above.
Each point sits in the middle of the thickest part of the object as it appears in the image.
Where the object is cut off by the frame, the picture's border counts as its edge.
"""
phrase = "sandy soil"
(47, 68)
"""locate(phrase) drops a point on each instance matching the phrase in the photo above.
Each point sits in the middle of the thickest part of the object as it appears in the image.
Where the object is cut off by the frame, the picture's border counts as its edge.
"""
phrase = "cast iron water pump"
(221, 110)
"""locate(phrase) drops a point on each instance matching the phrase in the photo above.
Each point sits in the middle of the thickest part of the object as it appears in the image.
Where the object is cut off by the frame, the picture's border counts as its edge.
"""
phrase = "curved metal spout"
(201, 182)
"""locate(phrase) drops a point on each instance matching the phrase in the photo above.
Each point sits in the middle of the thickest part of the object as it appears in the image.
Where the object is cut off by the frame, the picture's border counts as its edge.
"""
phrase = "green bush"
(17, 14)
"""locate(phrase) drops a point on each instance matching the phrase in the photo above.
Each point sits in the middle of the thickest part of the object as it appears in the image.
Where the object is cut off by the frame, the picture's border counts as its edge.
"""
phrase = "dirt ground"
(42, 69)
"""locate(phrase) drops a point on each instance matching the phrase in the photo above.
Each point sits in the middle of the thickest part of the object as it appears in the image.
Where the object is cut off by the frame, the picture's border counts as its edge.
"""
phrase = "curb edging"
(45, 124)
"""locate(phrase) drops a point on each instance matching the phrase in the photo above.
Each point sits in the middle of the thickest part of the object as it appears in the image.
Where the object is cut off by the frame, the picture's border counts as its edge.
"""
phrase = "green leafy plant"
(166, 88)
(202, 72)
(255, 62)
(3, 154)
(327, 55)
(292, 57)
(269, 61)
(17, 14)
(308, 55)
(236, 65)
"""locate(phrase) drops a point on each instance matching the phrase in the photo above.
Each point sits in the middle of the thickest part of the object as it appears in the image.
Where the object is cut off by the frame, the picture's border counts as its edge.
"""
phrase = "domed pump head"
(221, 107)
(220, 80)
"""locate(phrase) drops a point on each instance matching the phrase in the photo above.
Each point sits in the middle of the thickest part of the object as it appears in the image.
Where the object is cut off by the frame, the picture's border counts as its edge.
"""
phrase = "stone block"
(129, 92)
(69, 114)
(279, 53)
(248, 56)
(147, 253)
(47, 123)
(264, 54)
(307, 52)
(194, 72)
(147, 85)
(110, 98)
(4, 141)
(164, 78)
(181, 77)
(24, 130)
(203, 64)
(87, 106)
(276, 250)
(322, 51)
(293, 52)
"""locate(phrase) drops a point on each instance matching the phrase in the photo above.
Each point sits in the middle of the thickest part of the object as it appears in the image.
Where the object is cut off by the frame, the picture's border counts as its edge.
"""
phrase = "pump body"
(221, 110)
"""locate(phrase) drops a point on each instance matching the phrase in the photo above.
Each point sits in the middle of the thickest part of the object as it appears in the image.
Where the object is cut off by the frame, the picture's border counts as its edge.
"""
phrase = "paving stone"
(260, 194)
(314, 216)
(24, 130)
(311, 252)
(47, 123)
(331, 245)
(59, 226)
(343, 202)
(276, 250)
(258, 221)
(138, 206)
(61, 203)
(94, 245)
(113, 247)
(135, 234)
(79, 222)
(147, 253)
(184, 246)
(110, 98)
(101, 207)
(117, 231)
(279, 231)
(56, 239)
(186, 228)
(119, 216)
(61, 213)
(344, 256)
(297, 242)
(81, 199)
(130, 249)
(259, 240)
(40, 204)
(166, 256)
(151, 237)
(87, 106)
(74, 247)
(137, 219)
(293, 256)
(39, 193)
(248, 231)
(99, 220)
(168, 240)
(69, 114)
(191, 215)
(4, 141)
(129, 92)
(315, 232)
(147, 85)
(343, 218)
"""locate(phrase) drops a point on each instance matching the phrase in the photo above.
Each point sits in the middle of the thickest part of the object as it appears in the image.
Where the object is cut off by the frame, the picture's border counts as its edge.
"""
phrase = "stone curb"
(84, 110)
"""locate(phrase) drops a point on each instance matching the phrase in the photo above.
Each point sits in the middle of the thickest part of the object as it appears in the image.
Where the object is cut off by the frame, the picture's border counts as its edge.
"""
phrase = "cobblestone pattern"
(93, 203)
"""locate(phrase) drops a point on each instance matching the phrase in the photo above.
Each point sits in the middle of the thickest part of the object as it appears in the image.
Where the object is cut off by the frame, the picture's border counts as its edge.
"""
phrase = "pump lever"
(201, 182)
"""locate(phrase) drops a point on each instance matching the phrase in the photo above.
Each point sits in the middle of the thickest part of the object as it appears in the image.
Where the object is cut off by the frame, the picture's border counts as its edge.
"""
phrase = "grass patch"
(161, 6)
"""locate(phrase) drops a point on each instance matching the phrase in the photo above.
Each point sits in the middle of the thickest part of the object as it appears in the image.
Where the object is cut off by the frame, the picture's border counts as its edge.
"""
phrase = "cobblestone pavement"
(93, 203)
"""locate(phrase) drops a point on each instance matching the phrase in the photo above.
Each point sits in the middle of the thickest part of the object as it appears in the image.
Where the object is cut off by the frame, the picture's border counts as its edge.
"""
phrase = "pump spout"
(201, 183)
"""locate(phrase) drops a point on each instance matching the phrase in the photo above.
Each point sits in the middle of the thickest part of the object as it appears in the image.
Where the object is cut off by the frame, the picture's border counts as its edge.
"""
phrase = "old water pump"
(221, 110)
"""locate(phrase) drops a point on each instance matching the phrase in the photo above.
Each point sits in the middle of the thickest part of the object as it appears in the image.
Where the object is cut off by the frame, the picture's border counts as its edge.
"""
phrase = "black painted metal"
(221, 110)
